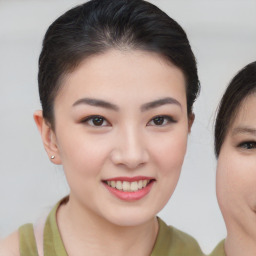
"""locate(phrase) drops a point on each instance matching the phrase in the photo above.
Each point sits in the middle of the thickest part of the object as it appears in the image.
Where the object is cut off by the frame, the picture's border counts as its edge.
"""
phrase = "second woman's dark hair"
(240, 87)
(98, 25)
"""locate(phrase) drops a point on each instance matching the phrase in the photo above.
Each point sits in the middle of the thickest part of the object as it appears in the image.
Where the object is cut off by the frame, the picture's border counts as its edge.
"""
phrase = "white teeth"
(119, 185)
(144, 183)
(113, 184)
(134, 186)
(128, 186)
(140, 184)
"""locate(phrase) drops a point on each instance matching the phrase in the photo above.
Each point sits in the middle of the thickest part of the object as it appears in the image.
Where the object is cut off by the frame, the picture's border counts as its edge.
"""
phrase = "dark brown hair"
(98, 25)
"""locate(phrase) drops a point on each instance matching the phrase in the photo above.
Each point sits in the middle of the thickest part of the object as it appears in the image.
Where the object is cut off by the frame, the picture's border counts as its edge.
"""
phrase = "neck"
(239, 242)
(83, 231)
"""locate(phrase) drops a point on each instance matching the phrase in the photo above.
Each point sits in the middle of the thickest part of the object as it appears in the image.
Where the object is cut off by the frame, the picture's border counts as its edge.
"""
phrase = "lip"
(130, 196)
(131, 179)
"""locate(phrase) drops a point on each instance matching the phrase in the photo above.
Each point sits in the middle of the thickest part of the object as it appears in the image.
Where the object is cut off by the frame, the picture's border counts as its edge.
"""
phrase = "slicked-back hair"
(99, 25)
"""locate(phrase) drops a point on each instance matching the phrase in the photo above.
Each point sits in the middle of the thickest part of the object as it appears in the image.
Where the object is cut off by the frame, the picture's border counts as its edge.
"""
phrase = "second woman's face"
(121, 133)
(236, 172)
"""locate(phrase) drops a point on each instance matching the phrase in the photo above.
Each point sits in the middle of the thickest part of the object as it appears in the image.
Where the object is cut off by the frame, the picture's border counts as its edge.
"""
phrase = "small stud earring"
(52, 157)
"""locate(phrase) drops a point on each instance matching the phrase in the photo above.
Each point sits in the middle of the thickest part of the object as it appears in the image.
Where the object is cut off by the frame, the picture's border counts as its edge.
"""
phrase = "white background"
(223, 37)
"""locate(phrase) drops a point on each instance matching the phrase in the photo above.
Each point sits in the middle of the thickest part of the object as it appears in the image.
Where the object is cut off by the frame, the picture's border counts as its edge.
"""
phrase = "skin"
(236, 179)
(143, 131)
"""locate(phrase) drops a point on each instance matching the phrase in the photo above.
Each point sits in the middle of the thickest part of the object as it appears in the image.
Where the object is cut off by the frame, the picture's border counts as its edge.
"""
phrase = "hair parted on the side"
(99, 25)
(240, 87)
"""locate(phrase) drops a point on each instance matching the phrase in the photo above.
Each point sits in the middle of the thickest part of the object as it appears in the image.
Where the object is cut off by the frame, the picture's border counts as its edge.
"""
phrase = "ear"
(48, 137)
(191, 119)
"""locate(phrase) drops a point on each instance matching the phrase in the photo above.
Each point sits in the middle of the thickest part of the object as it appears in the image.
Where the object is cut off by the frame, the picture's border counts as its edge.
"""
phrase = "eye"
(247, 145)
(98, 121)
(161, 121)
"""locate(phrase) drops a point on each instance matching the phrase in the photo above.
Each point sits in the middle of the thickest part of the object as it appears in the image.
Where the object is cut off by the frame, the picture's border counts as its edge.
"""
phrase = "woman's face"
(236, 171)
(121, 130)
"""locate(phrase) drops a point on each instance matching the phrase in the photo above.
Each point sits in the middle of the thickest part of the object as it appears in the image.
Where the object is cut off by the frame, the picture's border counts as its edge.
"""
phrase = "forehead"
(246, 114)
(129, 72)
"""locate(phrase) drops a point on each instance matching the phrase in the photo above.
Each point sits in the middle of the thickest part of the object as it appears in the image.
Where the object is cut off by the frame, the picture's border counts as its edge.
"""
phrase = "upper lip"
(130, 179)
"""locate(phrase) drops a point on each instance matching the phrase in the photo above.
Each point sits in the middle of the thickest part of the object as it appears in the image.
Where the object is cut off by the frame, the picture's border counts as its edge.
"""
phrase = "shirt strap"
(27, 241)
(39, 233)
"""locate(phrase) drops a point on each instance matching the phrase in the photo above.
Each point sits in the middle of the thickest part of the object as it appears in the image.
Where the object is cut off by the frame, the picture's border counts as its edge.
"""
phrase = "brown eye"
(158, 120)
(248, 145)
(98, 121)
(161, 121)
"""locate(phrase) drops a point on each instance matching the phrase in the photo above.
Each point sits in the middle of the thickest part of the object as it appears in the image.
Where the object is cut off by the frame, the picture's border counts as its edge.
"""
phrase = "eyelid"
(91, 117)
(242, 145)
(169, 119)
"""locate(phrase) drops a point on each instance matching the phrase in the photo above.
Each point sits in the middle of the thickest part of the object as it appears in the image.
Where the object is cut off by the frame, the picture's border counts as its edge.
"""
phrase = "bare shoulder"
(10, 245)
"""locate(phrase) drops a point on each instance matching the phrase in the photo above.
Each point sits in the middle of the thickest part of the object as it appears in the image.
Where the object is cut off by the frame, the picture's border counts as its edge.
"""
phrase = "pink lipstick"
(129, 188)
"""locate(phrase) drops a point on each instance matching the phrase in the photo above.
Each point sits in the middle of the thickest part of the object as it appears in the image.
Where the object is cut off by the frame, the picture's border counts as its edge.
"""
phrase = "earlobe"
(191, 119)
(48, 137)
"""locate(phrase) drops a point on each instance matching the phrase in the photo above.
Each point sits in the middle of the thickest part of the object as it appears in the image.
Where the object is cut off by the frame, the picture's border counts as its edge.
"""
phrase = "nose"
(130, 149)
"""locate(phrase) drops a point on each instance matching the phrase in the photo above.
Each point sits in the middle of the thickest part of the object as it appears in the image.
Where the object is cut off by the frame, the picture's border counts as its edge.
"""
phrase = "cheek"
(82, 154)
(235, 183)
(170, 155)
(228, 187)
(224, 181)
(82, 162)
(170, 152)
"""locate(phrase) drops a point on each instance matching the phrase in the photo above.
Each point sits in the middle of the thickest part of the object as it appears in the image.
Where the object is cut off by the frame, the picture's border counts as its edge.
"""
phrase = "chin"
(127, 218)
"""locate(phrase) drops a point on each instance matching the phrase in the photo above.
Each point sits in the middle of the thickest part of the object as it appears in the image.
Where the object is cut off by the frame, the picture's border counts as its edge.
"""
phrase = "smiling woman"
(121, 144)
(117, 82)
(235, 147)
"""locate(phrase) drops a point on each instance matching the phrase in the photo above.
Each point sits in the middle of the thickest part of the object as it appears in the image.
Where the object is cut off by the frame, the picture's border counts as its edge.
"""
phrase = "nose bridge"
(130, 149)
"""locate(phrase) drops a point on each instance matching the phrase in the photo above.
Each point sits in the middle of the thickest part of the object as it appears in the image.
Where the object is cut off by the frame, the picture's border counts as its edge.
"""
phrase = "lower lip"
(130, 196)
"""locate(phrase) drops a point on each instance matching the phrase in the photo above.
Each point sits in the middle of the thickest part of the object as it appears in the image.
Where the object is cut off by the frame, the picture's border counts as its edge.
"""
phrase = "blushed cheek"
(230, 185)
(82, 156)
(172, 154)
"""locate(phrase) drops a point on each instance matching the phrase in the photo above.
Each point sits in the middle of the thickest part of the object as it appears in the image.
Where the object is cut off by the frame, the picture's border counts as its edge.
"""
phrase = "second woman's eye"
(247, 145)
(161, 121)
(96, 121)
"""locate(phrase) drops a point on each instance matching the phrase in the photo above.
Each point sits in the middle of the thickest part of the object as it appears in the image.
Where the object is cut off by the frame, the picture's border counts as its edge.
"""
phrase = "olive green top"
(219, 250)
(170, 241)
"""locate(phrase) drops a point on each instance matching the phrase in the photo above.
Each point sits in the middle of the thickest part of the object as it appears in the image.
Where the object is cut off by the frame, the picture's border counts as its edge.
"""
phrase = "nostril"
(129, 158)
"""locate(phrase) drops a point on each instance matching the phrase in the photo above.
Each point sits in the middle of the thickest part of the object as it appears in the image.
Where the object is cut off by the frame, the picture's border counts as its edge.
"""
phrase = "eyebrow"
(160, 102)
(96, 103)
(244, 130)
(111, 106)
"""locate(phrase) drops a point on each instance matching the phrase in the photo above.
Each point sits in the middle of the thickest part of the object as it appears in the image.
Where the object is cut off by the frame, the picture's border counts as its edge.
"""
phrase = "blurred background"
(223, 37)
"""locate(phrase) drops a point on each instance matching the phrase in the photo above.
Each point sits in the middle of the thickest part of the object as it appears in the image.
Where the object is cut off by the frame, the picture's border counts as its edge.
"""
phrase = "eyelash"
(90, 119)
(166, 120)
(248, 145)
(102, 122)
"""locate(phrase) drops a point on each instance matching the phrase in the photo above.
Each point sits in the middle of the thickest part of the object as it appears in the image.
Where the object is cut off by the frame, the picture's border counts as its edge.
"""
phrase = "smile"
(127, 186)
(129, 189)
